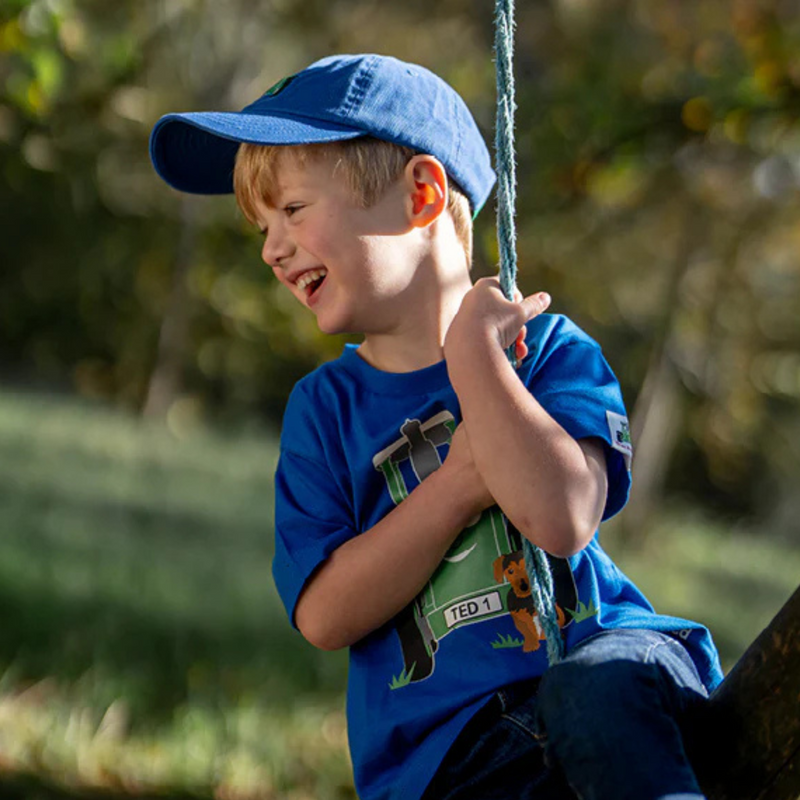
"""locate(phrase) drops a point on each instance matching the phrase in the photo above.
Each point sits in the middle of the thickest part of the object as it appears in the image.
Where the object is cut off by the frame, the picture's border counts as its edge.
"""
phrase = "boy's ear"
(426, 190)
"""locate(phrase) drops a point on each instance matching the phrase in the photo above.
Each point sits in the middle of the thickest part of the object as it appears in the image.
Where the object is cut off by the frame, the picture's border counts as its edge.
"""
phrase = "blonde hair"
(368, 165)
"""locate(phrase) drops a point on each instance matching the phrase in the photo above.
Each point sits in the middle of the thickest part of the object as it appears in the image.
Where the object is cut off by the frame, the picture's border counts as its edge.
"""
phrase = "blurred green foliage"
(658, 160)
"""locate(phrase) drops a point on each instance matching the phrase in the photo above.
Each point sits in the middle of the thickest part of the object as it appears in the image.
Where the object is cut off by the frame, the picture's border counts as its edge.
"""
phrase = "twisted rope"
(538, 567)
(504, 149)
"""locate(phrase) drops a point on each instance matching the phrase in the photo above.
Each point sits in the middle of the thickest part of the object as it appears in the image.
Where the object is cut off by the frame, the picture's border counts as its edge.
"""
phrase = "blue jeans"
(606, 723)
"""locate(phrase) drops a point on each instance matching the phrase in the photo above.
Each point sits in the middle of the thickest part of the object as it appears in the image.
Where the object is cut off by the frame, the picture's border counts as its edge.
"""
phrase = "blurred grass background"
(143, 645)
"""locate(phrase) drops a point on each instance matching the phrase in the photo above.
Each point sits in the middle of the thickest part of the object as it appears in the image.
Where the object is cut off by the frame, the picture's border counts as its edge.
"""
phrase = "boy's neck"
(420, 342)
(399, 356)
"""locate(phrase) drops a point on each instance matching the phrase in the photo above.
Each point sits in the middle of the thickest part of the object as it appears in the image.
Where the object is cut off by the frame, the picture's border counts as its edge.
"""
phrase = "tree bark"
(750, 729)
(166, 379)
(656, 421)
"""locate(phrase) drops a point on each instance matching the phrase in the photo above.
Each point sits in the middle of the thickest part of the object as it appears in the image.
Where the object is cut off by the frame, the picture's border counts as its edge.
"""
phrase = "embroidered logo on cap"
(279, 86)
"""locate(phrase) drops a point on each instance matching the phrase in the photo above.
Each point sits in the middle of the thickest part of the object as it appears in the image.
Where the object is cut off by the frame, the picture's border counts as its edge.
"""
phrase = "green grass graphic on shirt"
(583, 612)
(403, 679)
(503, 641)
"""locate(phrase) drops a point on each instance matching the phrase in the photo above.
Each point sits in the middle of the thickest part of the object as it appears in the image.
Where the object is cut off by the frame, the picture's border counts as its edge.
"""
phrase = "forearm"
(551, 487)
(373, 576)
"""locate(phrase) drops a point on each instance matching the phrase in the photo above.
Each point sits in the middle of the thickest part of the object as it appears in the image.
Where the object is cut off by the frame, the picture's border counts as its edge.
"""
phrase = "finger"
(520, 346)
(535, 304)
(490, 281)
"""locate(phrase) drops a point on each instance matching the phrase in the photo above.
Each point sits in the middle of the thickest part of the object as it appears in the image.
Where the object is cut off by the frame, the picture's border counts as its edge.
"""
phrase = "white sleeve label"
(620, 432)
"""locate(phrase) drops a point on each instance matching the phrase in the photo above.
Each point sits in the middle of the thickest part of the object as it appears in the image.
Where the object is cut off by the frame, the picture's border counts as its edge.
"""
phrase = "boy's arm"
(370, 578)
(552, 487)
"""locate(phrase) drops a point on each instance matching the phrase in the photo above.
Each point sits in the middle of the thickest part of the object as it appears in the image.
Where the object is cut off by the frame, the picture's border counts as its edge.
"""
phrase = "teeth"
(309, 277)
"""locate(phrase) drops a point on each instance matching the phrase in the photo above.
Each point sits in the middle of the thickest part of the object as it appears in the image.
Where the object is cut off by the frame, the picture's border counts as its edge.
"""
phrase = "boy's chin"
(331, 327)
(346, 321)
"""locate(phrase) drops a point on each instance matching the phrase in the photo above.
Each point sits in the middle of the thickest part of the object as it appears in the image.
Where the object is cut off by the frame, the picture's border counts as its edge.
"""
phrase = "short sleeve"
(312, 513)
(569, 376)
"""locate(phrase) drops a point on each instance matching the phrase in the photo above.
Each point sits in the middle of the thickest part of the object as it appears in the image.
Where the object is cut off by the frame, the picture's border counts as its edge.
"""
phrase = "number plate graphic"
(473, 608)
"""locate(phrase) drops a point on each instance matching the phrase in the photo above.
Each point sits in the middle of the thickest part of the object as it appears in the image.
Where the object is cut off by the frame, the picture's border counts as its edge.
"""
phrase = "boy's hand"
(486, 312)
(470, 483)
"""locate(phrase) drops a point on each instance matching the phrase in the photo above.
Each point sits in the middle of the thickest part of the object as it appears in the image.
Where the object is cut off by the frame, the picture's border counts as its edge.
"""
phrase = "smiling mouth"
(310, 282)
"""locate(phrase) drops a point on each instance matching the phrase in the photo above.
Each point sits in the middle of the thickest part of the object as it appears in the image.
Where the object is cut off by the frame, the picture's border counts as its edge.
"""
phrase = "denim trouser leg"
(498, 755)
(606, 722)
(611, 712)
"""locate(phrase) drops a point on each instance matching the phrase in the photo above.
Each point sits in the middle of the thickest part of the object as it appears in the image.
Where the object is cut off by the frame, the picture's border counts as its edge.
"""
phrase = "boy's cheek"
(281, 278)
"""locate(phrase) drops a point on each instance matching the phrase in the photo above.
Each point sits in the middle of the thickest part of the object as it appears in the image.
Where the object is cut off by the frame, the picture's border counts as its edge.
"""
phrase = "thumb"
(535, 304)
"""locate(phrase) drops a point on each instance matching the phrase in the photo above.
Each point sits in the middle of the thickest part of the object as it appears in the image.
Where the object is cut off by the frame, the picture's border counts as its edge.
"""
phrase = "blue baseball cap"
(336, 98)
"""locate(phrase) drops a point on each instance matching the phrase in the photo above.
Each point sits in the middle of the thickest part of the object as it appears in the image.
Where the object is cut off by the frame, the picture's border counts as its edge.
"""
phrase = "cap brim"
(195, 152)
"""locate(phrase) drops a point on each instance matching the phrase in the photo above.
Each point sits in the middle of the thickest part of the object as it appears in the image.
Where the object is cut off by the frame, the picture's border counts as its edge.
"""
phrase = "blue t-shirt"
(355, 442)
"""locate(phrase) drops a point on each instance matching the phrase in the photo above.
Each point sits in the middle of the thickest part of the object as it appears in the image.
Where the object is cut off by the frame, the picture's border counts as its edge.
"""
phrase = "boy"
(363, 174)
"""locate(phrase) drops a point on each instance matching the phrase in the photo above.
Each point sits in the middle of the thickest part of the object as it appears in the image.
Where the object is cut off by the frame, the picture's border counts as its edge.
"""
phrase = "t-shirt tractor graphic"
(471, 584)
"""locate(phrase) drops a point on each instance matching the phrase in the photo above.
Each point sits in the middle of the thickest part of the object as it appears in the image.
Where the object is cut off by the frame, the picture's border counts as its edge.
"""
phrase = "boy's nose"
(277, 246)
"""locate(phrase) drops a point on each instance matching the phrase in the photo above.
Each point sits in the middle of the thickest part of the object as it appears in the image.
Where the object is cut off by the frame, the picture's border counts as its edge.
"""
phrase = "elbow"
(316, 628)
(561, 537)
(574, 519)
(321, 639)
(570, 542)
(566, 543)
(575, 533)
(329, 644)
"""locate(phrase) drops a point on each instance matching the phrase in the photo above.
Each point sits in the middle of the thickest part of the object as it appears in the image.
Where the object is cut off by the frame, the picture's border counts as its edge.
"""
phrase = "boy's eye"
(290, 210)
